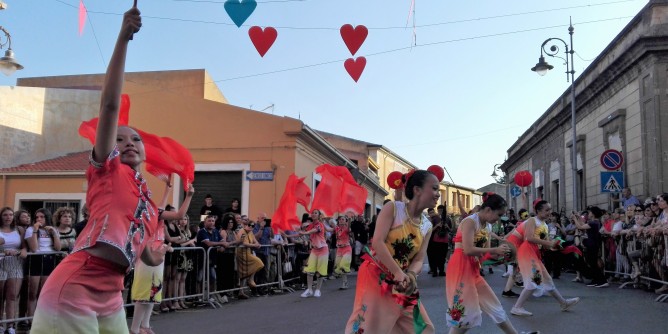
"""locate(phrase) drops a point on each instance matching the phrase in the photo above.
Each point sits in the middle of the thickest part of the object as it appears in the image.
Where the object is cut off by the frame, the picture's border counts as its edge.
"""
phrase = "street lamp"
(541, 68)
(498, 178)
(8, 64)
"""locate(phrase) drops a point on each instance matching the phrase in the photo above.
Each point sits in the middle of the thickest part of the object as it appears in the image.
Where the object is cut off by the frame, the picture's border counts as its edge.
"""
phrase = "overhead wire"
(375, 53)
(370, 28)
(384, 52)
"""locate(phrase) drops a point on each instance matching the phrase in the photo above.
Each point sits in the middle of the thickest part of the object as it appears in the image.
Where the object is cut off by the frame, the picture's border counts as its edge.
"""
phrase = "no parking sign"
(612, 160)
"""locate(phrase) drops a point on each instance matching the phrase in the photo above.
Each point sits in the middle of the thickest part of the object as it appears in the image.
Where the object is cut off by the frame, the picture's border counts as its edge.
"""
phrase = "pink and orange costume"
(468, 294)
(83, 295)
(377, 308)
(344, 251)
(534, 274)
(319, 257)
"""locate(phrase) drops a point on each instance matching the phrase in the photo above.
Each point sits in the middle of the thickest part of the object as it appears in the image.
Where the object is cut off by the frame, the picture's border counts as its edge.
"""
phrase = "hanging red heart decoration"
(355, 67)
(353, 37)
(263, 39)
(523, 178)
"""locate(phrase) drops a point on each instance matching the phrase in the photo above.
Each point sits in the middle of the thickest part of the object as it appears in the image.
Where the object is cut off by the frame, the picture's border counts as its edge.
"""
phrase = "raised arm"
(183, 209)
(105, 139)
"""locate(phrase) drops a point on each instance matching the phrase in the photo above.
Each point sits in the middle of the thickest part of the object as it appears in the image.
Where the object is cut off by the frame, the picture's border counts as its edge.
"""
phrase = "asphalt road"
(601, 310)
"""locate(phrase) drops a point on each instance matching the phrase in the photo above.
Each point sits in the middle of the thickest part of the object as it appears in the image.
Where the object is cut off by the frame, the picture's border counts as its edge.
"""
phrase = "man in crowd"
(210, 209)
(361, 236)
(627, 199)
(209, 237)
(263, 234)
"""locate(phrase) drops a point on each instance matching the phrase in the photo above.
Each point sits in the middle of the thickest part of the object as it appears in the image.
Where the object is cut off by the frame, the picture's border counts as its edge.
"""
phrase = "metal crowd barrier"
(200, 259)
(34, 263)
(644, 276)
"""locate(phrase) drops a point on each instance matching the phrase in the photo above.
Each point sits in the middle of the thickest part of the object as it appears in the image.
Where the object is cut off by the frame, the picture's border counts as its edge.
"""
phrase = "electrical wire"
(370, 28)
(381, 53)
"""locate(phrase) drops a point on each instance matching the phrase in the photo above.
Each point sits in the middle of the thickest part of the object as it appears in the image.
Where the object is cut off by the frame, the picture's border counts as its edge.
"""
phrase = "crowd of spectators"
(626, 245)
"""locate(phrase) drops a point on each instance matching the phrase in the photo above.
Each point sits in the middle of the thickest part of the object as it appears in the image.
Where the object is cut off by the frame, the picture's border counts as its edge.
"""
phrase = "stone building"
(621, 103)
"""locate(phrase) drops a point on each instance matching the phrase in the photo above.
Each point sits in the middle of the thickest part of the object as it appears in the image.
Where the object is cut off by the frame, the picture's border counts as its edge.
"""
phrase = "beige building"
(378, 161)
(621, 104)
(40, 118)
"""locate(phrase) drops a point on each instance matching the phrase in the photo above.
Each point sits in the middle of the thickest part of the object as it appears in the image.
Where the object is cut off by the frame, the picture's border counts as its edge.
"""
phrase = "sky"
(448, 83)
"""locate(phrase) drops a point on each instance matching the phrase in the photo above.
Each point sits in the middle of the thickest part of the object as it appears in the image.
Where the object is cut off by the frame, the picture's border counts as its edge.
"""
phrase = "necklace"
(410, 218)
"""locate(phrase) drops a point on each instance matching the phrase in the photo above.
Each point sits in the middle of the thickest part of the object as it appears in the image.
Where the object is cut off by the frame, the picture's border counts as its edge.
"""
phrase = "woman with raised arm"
(386, 297)
(83, 295)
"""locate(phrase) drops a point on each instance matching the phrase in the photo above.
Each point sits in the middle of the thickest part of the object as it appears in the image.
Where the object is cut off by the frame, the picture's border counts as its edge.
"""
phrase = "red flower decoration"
(437, 171)
(394, 180)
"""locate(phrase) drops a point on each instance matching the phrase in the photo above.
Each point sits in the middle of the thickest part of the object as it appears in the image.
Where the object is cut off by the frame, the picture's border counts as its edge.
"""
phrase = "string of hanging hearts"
(240, 10)
(263, 38)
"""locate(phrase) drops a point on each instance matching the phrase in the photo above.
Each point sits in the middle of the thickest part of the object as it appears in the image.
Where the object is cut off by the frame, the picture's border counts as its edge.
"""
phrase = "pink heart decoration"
(263, 39)
(353, 37)
(355, 67)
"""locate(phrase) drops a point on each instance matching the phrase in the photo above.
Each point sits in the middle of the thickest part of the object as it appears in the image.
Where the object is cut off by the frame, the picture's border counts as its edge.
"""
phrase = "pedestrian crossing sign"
(612, 182)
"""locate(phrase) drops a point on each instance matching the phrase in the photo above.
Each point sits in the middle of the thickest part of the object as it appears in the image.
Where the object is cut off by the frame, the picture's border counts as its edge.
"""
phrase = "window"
(554, 194)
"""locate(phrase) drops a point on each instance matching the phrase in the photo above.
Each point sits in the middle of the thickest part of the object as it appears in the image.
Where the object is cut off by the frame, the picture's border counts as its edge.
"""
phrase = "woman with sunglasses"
(247, 263)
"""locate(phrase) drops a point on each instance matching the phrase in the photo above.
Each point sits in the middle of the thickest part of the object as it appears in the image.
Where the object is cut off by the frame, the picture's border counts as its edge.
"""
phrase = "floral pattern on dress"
(536, 277)
(480, 238)
(357, 324)
(402, 249)
(457, 311)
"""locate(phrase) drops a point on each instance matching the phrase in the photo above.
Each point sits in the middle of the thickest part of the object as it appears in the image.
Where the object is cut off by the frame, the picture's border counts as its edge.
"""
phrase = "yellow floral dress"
(377, 308)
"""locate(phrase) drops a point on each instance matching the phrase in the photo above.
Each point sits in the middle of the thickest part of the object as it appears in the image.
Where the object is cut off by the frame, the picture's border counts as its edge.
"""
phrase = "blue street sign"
(515, 191)
(612, 182)
(259, 175)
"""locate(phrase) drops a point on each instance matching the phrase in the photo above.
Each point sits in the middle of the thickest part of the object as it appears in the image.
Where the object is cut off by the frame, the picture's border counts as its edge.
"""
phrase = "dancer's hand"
(131, 23)
(401, 282)
(501, 250)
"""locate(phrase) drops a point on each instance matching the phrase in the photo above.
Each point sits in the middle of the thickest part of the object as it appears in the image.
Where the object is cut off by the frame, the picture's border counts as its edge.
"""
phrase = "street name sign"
(259, 175)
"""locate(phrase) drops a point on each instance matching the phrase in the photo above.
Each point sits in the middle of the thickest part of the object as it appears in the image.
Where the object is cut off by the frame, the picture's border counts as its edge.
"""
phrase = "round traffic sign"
(515, 191)
(612, 160)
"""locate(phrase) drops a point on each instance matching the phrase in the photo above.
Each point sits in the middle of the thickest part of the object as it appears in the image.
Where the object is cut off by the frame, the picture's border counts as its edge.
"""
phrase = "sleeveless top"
(405, 236)
(122, 213)
(541, 231)
(481, 233)
(230, 238)
(342, 237)
(67, 240)
(12, 240)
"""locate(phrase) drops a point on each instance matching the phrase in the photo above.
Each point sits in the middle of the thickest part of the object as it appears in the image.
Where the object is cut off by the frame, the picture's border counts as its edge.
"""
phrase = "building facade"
(227, 143)
(620, 104)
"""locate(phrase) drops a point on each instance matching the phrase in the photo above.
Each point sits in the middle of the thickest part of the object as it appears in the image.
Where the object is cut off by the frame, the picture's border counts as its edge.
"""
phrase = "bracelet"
(410, 272)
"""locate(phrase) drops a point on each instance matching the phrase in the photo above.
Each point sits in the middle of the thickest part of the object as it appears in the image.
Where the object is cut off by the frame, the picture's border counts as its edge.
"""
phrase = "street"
(601, 310)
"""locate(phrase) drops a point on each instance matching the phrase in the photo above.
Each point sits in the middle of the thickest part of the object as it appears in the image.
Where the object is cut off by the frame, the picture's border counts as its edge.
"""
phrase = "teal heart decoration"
(240, 10)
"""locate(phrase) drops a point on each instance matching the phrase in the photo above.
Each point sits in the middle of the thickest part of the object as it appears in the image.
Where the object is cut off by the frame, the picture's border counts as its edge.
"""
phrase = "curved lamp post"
(541, 68)
(8, 64)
